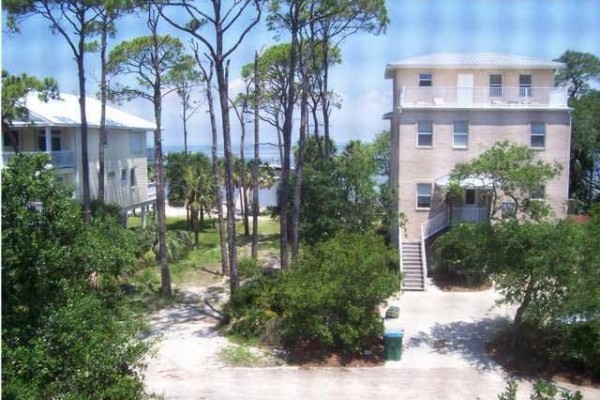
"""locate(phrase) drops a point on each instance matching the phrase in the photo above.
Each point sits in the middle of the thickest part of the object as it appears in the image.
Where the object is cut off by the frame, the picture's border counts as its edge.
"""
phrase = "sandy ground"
(443, 357)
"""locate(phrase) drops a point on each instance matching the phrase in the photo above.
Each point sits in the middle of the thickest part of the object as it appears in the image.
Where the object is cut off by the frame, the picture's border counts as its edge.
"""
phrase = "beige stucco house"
(54, 128)
(450, 108)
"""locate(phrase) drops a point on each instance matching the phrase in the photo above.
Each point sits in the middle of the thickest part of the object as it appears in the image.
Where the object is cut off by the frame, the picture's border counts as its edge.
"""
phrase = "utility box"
(392, 312)
(393, 345)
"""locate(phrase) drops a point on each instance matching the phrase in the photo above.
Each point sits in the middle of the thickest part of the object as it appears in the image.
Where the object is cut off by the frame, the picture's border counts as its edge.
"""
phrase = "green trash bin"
(393, 345)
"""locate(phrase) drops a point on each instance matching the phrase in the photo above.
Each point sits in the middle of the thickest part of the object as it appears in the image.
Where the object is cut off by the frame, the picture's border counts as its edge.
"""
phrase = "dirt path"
(443, 357)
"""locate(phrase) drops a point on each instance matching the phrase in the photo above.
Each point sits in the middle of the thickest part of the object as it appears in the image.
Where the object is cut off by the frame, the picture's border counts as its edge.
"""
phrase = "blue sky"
(537, 28)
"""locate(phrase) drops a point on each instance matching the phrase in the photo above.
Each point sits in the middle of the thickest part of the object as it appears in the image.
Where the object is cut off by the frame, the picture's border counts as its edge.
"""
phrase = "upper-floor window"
(11, 139)
(424, 134)
(525, 85)
(55, 140)
(424, 192)
(138, 143)
(123, 175)
(495, 85)
(424, 79)
(460, 136)
(538, 135)
(132, 177)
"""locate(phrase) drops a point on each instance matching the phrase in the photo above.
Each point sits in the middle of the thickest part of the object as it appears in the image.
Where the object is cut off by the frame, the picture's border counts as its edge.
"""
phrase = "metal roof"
(471, 60)
(65, 112)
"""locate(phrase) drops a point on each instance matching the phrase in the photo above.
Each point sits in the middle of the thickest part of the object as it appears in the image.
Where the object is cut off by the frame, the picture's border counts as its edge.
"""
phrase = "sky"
(535, 28)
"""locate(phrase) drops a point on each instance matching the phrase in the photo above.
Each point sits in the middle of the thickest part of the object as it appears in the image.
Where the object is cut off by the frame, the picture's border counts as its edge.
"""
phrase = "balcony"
(482, 97)
(60, 159)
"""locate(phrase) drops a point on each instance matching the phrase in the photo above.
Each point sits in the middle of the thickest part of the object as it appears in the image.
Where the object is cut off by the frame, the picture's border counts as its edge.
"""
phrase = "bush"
(331, 294)
(63, 334)
(458, 254)
(101, 210)
(251, 308)
(248, 267)
(326, 302)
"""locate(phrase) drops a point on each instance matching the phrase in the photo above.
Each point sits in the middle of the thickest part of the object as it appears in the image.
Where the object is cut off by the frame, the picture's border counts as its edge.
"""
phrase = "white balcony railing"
(494, 97)
(470, 214)
(60, 159)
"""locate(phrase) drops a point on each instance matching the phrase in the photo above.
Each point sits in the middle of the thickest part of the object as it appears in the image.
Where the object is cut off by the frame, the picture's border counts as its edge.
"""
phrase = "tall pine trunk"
(222, 83)
(103, 137)
(215, 169)
(325, 102)
(287, 140)
(243, 183)
(161, 198)
(300, 160)
(255, 205)
(85, 165)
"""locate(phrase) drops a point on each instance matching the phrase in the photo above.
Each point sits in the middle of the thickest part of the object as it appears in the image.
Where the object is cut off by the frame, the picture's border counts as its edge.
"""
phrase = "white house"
(55, 127)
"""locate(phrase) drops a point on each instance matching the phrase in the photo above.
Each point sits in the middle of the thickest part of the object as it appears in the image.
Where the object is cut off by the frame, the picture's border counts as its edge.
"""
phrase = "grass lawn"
(202, 266)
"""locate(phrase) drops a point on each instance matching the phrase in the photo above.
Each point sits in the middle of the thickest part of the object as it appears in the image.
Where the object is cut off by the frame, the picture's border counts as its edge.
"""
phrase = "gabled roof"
(65, 112)
(471, 60)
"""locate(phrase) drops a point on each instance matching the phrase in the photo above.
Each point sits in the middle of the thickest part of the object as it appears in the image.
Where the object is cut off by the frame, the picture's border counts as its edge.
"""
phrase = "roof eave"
(391, 67)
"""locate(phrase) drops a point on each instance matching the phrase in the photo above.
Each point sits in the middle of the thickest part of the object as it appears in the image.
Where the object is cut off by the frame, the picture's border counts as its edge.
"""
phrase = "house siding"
(449, 77)
(117, 156)
(425, 165)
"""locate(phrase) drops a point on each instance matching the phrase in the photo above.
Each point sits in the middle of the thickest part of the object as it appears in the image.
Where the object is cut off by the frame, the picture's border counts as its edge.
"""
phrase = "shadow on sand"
(465, 338)
(194, 307)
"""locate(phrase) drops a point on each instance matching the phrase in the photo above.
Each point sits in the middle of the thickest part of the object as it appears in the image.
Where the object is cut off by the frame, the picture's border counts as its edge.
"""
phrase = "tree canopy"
(65, 332)
(15, 88)
(580, 69)
(514, 174)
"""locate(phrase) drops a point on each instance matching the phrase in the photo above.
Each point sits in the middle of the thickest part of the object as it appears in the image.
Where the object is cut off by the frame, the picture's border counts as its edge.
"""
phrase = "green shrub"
(458, 254)
(331, 294)
(101, 210)
(327, 301)
(250, 309)
(248, 267)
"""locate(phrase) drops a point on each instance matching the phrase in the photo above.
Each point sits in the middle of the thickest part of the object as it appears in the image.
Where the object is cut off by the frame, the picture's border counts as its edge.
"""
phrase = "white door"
(464, 90)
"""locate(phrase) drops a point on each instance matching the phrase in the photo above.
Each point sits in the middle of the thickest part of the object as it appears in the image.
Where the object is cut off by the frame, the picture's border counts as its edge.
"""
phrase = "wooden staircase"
(412, 267)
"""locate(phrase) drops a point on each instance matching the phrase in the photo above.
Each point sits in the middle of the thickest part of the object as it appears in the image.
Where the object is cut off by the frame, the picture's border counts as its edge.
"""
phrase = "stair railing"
(423, 258)
(400, 231)
(428, 229)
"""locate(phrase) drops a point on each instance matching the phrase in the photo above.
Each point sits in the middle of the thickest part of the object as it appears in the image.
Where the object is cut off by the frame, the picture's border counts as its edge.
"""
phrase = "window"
(538, 193)
(123, 175)
(460, 137)
(423, 195)
(11, 139)
(424, 79)
(424, 134)
(495, 85)
(112, 174)
(138, 143)
(132, 177)
(538, 135)
(55, 140)
(508, 209)
(470, 197)
(525, 86)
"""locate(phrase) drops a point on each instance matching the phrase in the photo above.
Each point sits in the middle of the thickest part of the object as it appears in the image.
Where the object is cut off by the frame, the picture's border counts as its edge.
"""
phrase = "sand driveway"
(443, 357)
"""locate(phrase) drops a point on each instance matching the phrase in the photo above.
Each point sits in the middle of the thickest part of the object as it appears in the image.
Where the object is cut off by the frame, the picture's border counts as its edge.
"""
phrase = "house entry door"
(464, 90)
